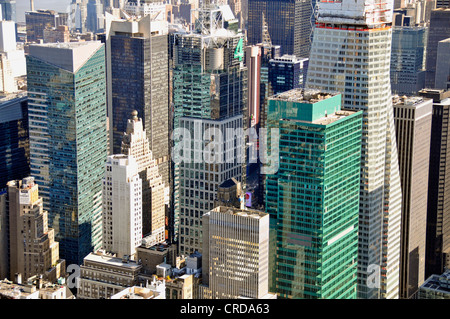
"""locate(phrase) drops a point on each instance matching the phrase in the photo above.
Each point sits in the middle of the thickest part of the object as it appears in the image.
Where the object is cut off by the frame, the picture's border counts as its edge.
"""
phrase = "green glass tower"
(313, 198)
(68, 140)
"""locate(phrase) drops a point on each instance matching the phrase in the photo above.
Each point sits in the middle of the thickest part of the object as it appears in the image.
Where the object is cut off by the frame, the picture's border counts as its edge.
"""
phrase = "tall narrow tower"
(351, 54)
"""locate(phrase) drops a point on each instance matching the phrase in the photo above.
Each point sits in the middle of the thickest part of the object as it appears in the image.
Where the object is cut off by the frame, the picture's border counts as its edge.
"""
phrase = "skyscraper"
(313, 197)
(137, 79)
(438, 212)
(442, 79)
(15, 144)
(155, 195)
(351, 54)
(210, 101)
(439, 30)
(38, 21)
(122, 206)
(235, 254)
(287, 72)
(408, 59)
(8, 10)
(413, 131)
(33, 249)
(67, 118)
(288, 21)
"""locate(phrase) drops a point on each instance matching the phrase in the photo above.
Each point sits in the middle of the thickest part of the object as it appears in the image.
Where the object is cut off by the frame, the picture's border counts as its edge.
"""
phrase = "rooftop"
(257, 214)
(112, 260)
(440, 283)
(304, 96)
(408, 100)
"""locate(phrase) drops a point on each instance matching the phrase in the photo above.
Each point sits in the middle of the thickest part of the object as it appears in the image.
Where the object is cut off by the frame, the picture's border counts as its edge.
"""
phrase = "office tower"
(287, 72)
(103, 275)
(439, 30)
(67, 119)
(137, 79)
(438, 212)
(436, 287)
(288, 21)
(95, 16)
(12, 60)
(38, 21)
(155, 194)
(313, 197)
(413, 131)
(235, 254)
(210, 110)
(122, 206)
(33, 249)
(346, 42)
(442, 79)
(8, 10)
(14, 144)
(78, 15)
(408, 60)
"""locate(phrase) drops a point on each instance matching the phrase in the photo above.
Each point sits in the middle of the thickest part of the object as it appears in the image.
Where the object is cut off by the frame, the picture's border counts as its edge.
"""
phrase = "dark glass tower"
(14, 144)
(439, 30)
(289, 24)
(137, 79)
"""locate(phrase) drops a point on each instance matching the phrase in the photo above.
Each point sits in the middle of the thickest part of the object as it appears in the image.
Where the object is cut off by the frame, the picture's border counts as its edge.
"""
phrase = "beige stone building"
(33, 249)
(103, 275)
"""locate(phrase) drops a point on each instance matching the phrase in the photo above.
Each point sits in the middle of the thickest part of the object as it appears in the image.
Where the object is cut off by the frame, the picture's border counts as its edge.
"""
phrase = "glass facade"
(209, 92)
(287, 73)
(313, 199)
(355, 60)
(139, 81)
(289, 24)
(14, 144)
(408, 60)
(68, 146)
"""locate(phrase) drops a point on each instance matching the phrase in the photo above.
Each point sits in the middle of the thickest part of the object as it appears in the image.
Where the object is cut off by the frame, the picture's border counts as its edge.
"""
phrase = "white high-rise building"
(12, 60)
(235, 256)
(351, 54)
(155, 195)
(122, 206)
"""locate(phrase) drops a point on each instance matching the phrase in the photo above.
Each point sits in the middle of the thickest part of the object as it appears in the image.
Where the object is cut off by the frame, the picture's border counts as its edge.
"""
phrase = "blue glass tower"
(68, 141)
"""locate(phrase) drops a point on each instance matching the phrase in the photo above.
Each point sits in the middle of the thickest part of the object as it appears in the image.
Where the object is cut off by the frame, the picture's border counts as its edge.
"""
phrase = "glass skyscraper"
(350, 54)
(313, 198)
(137, 79)
(408, 60)
(209, 95)
(14, 144)
(68, 141)
(289, 24)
